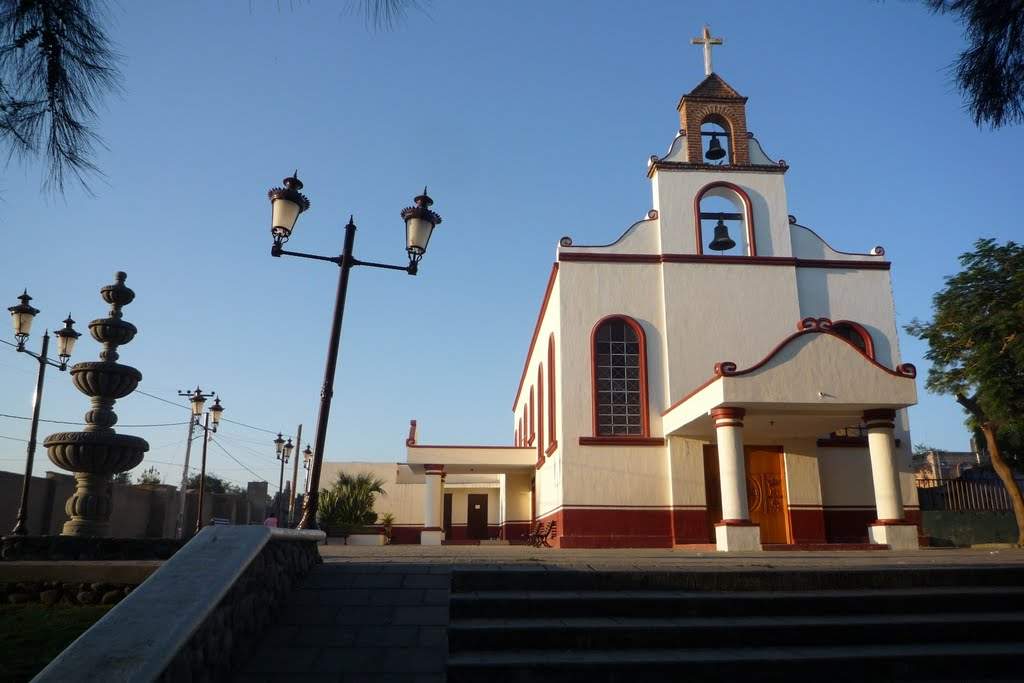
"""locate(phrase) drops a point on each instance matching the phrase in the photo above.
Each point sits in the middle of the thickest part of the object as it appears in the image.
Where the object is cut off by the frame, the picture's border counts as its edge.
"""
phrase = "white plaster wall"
(548, 489)
(686, 465)
(642, 237)
(863, 296)
(674, 192)
(803, 480)
(723, 312)
(807, 244)
(516, 497)
(617, 475)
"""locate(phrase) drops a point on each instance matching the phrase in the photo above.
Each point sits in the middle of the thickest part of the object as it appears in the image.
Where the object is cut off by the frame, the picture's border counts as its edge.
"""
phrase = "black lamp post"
(284, 451)
(197, 399)
(22, 316)
(287, 203)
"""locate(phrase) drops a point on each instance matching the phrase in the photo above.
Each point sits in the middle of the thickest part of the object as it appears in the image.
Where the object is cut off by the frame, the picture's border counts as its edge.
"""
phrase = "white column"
(735, 531)
(891, 528)
(432, 533)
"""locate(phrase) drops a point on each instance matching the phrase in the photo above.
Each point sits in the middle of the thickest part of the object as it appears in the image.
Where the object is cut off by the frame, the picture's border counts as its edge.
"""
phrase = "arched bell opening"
(724, 221)
(716, 141)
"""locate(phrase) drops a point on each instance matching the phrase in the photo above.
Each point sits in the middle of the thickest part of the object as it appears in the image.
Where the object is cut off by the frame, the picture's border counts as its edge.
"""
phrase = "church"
(718, 376)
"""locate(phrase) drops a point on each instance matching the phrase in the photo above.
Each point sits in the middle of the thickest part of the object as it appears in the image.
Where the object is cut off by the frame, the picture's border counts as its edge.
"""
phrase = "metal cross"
(707, 41)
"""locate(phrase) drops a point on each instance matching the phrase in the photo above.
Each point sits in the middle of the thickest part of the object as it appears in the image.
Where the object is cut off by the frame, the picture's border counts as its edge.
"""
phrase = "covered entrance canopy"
(813, 383)
(433, 462)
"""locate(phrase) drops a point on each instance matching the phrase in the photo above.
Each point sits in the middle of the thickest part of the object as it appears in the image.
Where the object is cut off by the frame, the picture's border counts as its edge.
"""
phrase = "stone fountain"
(96, 453)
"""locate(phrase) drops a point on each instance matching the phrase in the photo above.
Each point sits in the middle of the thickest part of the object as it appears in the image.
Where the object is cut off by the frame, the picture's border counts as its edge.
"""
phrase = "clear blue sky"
(529, 120)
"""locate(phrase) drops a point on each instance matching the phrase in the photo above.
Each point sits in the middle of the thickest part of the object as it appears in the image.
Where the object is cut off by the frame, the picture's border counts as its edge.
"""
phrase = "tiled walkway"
(381, 613)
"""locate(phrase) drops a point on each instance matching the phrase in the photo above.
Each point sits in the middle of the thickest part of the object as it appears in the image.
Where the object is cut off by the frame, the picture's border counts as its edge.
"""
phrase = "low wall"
(946, 528)
(198, 615)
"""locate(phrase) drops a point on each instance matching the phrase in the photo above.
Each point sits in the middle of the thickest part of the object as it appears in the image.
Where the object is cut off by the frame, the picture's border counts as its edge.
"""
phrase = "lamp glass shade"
(285, 214)
(65, 344)
(22, 323)
(279, 444)
(288, 448)
(417, 234)
(307, 454)
(215, 410)
(197, 401)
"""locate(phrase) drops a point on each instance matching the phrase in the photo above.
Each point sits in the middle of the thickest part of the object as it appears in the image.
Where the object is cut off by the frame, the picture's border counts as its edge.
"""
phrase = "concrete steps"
(932, 624)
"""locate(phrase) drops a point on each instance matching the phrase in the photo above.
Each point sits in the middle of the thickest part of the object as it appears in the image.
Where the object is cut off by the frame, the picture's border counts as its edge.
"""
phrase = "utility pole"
(295, 478)
(180, 531)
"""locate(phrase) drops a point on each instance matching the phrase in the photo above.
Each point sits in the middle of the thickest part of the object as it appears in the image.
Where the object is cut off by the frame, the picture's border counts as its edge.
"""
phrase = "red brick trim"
(433, 469)
(723, 260)
(536, 330)
(432, 528)
(869, 343)
(892, 522)
(748, 212)
(552, 447)
(552, 442)
(622, 441)
(642, 340)
(728, 413)
(736, 522)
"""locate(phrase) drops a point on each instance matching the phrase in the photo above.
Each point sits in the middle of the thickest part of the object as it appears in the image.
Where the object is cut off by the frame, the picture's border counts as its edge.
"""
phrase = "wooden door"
(446, 524)
(476, 516)
(766, 492)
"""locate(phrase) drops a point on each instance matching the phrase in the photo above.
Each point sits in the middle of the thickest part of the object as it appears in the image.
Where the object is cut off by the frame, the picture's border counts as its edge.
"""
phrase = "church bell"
(722, 241)
(715, 151)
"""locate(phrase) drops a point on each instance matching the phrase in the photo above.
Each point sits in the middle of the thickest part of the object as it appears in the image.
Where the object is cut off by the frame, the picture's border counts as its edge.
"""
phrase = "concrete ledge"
(86, 572)
(896, 536)
(733, 537)
(142, 635)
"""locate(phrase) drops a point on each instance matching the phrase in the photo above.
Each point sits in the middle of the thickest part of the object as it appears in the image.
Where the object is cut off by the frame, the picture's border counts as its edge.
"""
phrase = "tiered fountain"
(98, 452)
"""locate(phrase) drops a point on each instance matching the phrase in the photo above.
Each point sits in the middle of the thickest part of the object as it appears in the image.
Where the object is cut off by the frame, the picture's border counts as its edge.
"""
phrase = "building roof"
(714, 87)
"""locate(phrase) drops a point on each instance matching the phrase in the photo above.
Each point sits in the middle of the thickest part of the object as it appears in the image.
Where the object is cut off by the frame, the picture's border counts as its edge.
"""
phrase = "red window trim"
(748, 212)
(552, 442)
(869, 343)
(533, 424)
(644, 412)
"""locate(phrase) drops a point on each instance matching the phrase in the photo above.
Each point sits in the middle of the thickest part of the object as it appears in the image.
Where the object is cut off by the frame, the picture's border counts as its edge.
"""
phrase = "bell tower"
(715, 101)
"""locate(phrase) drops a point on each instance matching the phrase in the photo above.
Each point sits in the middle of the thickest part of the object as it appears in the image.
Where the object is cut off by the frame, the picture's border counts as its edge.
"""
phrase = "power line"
(258, 429)
(14, 438)
(173, 403)
(223, 419)
(240, 463)
(69, 422)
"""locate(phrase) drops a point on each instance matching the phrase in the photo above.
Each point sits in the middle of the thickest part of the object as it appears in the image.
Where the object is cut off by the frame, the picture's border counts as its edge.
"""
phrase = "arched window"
(530, 417)
(551, 392)
(724, 221)
(540, 412)
(620, 378)
(716, 141)
(856, 335)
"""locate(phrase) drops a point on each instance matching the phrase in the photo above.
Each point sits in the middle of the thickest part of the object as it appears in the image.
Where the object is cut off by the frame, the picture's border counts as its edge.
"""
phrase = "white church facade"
(717, 375)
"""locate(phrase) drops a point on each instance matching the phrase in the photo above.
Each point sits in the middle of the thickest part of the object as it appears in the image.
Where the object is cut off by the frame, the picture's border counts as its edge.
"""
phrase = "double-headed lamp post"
(307, 460)
(287, 203)
(22, 316)
(197, 400)
(284, 451)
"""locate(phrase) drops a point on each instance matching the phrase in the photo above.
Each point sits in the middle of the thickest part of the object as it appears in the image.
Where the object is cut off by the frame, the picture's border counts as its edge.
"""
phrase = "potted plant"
(388, 521)
(346, 508)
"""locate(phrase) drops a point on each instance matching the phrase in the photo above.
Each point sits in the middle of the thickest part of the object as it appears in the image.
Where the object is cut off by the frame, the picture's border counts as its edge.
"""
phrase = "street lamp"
(287, 204)
(197, 401)
(307, 460)
(22, 316)
(284, 451)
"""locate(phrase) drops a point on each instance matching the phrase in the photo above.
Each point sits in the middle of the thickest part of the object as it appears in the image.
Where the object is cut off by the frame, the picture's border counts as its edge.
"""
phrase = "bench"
(540, 534)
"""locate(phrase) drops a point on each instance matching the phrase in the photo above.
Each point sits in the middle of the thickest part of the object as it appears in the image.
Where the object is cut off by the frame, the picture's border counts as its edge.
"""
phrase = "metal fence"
(963, 495)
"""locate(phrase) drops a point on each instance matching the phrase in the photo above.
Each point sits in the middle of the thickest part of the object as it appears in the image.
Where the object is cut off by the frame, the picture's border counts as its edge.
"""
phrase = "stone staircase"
(839, 625)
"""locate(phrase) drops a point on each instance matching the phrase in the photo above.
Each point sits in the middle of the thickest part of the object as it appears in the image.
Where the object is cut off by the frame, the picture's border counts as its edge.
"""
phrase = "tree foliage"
(150, 477)
(990, 72)
(56, 64)
(214, 484)
(349, 502)
(976, 347)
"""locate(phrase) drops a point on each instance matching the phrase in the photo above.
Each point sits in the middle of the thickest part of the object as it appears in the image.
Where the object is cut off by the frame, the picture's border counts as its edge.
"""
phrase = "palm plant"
(349, 502)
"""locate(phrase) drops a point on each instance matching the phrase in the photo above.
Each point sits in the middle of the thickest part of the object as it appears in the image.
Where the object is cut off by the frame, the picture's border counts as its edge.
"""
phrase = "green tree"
(214, 484)
(349, 502)
(990, 72)
(150, 477)
(976, 347)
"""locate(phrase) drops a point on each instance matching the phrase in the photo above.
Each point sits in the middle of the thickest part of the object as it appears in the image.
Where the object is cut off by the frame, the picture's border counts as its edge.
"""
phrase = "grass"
(32, 635)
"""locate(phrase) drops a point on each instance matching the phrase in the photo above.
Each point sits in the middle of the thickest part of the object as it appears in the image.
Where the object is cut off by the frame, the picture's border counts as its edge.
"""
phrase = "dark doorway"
(446, 524)
(476, 516)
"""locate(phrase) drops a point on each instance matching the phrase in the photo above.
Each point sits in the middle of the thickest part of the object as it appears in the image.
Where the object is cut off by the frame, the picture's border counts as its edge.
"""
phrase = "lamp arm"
(411, 269)
(49, 361)
(276, 251)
